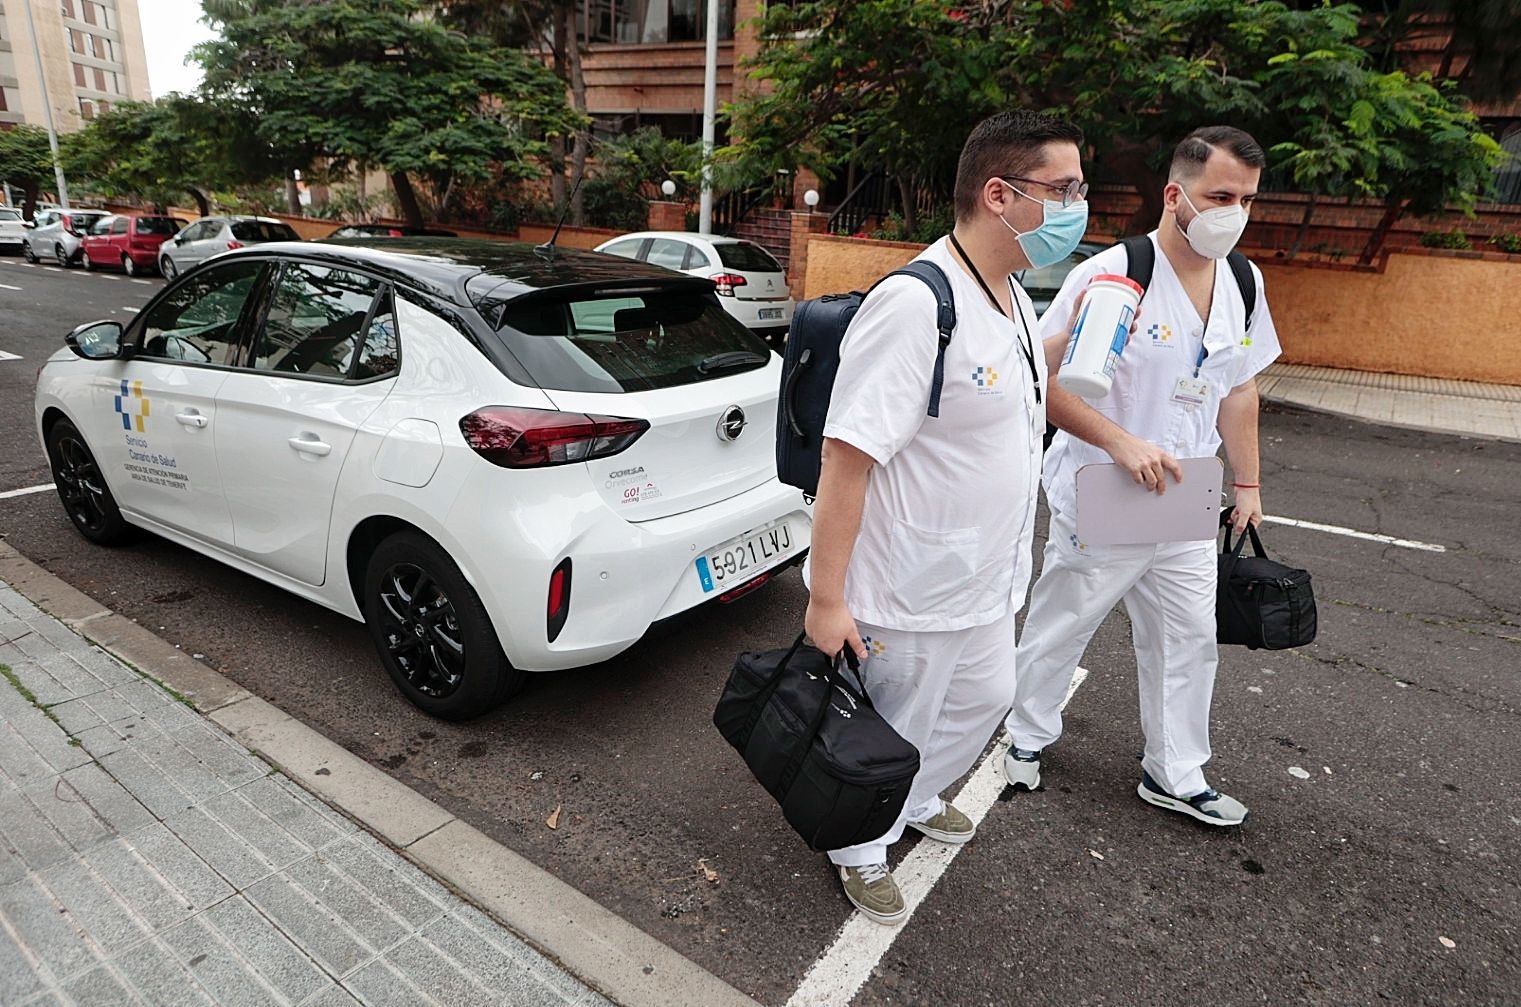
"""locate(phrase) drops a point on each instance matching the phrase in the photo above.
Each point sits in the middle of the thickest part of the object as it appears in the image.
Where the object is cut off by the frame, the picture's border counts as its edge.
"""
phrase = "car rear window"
(156, 225)
(629, 342)
(262, 230)
(82, 221)
(747, 257)
(9, 214)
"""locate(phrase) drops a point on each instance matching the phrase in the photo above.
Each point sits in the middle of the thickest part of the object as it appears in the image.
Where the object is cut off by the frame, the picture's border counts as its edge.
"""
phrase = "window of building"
(89, 12)
(79, 76)
(86, 108)
(77, 42)
(100, 79)
(654, 21)
(102, 107)
(68, 8)
(3, 106)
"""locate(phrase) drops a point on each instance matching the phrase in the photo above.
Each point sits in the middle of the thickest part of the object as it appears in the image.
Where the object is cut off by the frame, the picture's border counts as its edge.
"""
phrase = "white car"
(752, 286)
(210, 236)
(58, 235)
(12, 231)
(502, 459)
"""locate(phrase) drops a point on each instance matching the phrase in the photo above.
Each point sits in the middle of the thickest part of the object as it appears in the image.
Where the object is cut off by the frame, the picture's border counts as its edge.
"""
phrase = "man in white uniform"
(923, 525)
(1185, 384)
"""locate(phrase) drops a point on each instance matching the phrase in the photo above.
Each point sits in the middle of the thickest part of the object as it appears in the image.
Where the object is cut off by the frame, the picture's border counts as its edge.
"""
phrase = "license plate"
(737, 560)
(770, 314)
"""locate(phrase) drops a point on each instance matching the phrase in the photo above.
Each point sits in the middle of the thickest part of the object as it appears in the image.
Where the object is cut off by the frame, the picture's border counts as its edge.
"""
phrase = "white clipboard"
(1113, 509)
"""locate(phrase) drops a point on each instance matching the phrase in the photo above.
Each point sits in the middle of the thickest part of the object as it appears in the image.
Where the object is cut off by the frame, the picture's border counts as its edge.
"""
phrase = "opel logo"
(731, 424)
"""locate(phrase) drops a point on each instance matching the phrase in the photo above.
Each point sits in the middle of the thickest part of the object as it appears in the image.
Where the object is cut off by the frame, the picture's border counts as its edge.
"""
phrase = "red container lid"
(1140, 291)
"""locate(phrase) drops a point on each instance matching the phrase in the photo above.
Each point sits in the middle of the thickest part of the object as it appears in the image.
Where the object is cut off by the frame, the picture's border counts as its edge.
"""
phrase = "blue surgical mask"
(1057, 236)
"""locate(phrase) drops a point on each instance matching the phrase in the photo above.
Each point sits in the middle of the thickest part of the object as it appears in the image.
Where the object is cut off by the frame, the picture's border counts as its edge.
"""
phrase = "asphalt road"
(1404, 716)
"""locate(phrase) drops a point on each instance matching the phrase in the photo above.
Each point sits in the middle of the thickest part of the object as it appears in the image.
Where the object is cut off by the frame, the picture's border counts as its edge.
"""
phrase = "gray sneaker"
(1210, 806)
(872, 890)
(1021, 767)
(950, 826)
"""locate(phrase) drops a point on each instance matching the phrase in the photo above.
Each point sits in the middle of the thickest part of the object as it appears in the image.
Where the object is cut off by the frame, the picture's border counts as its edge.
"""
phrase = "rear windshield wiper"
(724, 361)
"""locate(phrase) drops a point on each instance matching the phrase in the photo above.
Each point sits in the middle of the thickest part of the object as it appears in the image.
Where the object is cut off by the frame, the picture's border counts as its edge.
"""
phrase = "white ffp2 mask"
(1213, 233)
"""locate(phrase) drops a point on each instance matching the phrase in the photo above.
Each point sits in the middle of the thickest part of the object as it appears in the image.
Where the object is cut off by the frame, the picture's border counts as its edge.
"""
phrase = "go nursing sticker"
(144, 465)
(633, 484)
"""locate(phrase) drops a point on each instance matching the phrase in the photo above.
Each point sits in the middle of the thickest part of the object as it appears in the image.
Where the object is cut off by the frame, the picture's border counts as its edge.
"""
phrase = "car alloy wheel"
(167, 267)
(26, 250)
(61, 256)
(82, 487)
(87, 262)
(128, 266)
(422, 630)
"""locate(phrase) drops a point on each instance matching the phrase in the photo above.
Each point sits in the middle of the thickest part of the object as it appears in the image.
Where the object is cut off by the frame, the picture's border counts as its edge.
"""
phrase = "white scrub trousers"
(1169, 593)
(944, 693)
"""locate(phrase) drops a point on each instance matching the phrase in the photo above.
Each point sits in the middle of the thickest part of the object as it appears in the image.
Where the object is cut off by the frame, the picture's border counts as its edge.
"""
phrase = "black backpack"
(812, 358)
(1141, 262)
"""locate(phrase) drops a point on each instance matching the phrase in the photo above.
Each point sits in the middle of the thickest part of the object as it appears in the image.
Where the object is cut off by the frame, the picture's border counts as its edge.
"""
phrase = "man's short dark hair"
(1189, 157)
(1009, 143)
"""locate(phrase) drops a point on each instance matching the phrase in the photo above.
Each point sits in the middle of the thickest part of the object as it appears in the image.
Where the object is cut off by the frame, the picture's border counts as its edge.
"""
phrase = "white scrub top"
(1165, 348)
(945, 539)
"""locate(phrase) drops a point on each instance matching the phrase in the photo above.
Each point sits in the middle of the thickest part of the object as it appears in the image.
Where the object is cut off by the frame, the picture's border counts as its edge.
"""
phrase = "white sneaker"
(1021, 767)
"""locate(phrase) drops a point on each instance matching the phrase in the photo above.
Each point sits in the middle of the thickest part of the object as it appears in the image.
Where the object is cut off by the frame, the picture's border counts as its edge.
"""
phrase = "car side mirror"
(97, 341)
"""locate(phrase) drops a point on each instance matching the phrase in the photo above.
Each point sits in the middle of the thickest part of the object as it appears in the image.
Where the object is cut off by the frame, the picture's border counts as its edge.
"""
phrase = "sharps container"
(1099, 335)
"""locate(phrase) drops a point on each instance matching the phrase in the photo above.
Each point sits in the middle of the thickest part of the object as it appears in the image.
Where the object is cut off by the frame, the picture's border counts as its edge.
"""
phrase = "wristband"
(1247, 486)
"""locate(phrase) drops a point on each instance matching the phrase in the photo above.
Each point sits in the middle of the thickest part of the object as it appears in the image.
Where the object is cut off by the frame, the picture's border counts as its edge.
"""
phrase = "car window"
(101, 226)
(84, 221)
(747, 257)
(155, 225)
(380, 352)
(262, 230)
(697, 259)
(1050, 277)
(634, 342)
(44, 219)
(197, 321)
(9, 214)
(315, 317)
(119, 225)
(195, 231)
(627, 249)
(667, 252)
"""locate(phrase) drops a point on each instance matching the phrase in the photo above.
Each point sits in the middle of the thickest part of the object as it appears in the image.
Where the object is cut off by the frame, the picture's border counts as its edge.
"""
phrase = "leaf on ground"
(553, 821)
(1448, 942)
(708, 874)
(1095, 854)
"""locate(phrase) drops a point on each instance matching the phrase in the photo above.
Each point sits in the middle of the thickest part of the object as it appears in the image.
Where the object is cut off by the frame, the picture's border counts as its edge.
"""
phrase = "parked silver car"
(12, 233)
(58, 235)
(214, 235)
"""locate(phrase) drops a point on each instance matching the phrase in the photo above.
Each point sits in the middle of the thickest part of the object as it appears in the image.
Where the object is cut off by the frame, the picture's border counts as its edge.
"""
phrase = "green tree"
(384, 83)
(26, 162)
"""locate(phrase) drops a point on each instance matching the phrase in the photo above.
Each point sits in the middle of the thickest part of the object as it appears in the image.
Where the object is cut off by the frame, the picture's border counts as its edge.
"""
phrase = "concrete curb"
(606, 952)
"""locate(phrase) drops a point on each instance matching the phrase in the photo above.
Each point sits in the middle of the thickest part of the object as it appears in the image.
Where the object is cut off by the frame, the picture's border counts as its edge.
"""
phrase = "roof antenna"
(548, 248)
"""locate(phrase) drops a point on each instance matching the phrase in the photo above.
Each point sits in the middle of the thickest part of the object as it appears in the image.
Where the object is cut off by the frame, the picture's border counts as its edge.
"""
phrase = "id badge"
(1191, 393)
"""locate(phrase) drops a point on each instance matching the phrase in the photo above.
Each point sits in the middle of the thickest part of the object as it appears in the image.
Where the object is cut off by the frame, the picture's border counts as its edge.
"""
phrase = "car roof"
(474, 272)
(713, 239)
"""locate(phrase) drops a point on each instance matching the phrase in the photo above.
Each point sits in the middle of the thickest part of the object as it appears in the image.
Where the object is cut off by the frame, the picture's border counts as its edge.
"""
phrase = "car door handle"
(192, 419)
(311, 446)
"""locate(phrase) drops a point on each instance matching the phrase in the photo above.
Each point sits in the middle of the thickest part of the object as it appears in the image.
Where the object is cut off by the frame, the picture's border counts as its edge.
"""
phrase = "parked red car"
(128, 241)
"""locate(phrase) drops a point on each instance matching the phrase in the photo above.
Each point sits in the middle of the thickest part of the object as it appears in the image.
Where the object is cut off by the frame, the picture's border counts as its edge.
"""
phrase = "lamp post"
(668, 188)
(811, 198)
(709, 118)
(47, 108)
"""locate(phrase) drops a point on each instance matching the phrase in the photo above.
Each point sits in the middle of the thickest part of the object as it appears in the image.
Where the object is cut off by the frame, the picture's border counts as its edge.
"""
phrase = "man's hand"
(1147, 464)
(1248, 509)
(831, 628)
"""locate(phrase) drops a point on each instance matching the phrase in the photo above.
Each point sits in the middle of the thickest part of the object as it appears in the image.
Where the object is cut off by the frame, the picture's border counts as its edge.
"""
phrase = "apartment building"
(92, 56)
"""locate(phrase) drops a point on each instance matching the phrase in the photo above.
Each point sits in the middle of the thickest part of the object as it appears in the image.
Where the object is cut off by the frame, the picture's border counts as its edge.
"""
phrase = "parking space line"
(1331, 529)
(41, 488)
(143, 282)
(7, 286)
(839, 973)
(9, 356)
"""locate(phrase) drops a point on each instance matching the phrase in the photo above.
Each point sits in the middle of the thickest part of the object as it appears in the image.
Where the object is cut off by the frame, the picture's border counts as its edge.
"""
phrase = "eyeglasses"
(1070, 193)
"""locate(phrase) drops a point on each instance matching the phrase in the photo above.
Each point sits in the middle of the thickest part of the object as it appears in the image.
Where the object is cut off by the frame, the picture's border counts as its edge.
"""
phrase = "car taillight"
(727, 282)
(521, 438)
(394, 233)
(68, 225)
(559, 599)
(234, 244)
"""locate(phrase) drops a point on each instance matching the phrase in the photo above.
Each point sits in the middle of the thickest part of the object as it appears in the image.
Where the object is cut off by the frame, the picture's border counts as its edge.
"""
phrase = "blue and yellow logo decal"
(132, 405)
(1161, 335)
(985, 377)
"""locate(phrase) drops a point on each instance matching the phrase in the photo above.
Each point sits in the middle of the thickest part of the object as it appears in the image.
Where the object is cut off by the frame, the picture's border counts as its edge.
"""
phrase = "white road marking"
(129, 307)
(1331, 529)
(144, 282)
(7, 286)
(9, 356)
(840, 972)
(27, 490)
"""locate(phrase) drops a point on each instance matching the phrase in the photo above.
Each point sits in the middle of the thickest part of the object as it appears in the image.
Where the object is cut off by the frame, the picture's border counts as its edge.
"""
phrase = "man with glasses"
(1184, 385)
(923, 524)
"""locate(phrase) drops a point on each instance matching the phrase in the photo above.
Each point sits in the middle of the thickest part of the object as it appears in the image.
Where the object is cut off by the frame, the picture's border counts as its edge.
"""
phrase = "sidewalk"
(148, 858)
(1435, 404)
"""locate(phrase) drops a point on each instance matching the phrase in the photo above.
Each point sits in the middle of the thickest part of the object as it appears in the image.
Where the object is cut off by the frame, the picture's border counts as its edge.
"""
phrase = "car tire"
(62, 258)
(168, 268)
(86, 261)
(128, 265)
(28, 254)
(433, 634)
(82, 487)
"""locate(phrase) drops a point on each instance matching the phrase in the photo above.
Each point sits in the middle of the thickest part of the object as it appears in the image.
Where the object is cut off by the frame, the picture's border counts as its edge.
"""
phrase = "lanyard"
(1203, 354)
(1026, 341)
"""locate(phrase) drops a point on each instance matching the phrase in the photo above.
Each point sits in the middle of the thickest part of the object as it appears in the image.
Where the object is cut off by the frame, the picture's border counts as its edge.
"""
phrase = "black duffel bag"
(815, 742)
(1261, 604)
